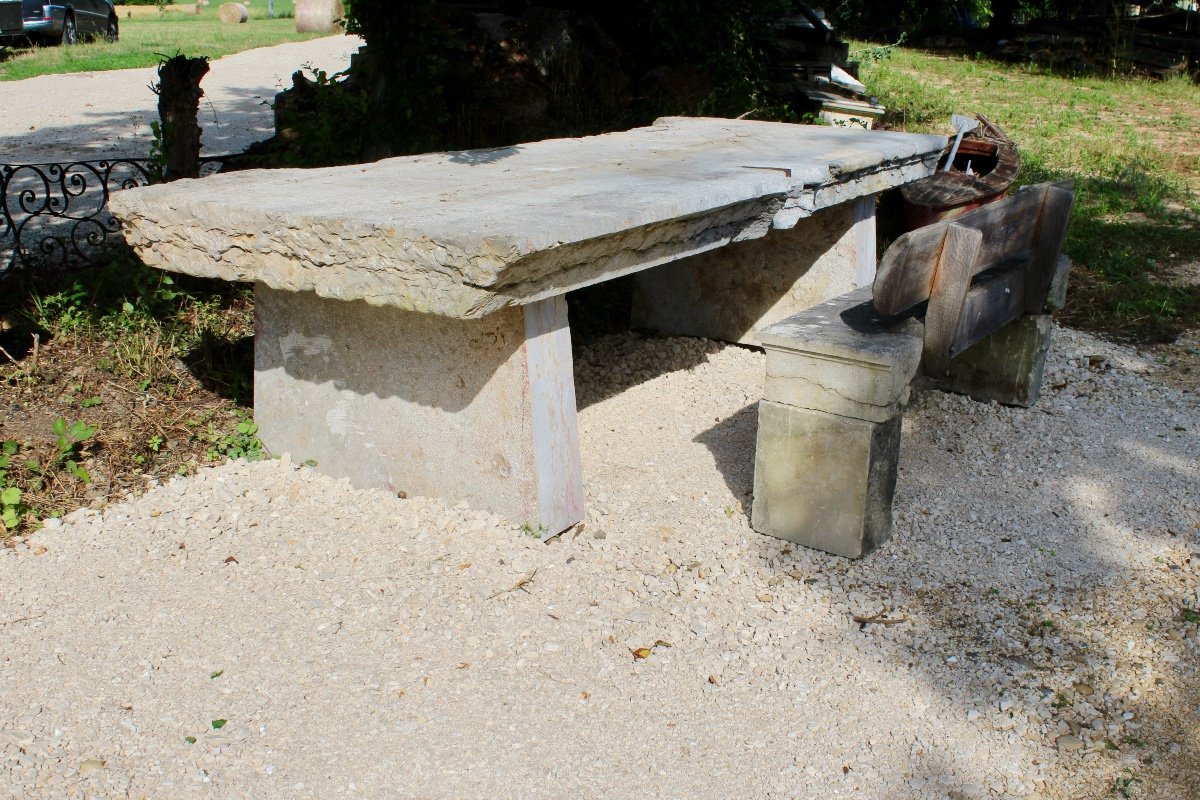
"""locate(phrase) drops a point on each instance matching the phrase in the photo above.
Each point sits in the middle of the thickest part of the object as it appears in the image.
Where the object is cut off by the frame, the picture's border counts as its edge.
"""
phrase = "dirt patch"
(1180, 362)
(93, 415)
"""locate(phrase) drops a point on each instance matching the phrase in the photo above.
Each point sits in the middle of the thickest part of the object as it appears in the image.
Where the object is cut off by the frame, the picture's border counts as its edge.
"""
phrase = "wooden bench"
(963, 301)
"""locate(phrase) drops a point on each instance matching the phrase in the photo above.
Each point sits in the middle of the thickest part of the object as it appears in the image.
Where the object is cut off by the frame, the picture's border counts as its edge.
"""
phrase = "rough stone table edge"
(205, 249)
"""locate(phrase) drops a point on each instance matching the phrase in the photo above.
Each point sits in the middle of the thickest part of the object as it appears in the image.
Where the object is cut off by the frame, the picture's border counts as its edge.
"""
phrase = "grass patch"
(146, 35)
(114, 377)
(1131, 147)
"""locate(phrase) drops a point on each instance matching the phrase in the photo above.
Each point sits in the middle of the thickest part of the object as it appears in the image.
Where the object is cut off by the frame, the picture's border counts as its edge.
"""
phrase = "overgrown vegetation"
(1128, 143)
(148, 35)
(114, 377)
(438, 77)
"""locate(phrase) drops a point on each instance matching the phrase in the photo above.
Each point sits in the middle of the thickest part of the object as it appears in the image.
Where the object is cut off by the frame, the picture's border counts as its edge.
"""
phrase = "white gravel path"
(365, 646)
(98, 114)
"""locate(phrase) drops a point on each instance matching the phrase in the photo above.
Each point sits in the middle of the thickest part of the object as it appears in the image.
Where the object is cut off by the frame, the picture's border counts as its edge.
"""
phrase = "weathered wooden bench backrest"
(979, 271)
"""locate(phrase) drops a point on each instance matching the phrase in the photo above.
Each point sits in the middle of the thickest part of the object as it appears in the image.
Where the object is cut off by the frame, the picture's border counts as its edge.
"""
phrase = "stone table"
(411, 326)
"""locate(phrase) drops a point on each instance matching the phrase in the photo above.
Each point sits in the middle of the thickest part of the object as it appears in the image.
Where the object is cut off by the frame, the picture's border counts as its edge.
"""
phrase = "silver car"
(61, 22)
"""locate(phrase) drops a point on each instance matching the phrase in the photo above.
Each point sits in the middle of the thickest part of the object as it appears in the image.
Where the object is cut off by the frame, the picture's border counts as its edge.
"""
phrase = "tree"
(437, 76)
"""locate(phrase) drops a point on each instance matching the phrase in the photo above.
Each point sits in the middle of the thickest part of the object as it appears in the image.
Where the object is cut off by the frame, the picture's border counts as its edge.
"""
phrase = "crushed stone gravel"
(260, 630)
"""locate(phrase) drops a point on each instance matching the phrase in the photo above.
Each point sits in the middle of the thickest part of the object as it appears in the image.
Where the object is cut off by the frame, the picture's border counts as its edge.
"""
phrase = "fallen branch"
(879, 619)
(518, 585)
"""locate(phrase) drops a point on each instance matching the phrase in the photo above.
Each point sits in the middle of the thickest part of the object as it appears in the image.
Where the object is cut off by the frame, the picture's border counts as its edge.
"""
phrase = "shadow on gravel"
(601, 311)
(731, 443)
(1034, 582)
(126, 133)
(998, 570)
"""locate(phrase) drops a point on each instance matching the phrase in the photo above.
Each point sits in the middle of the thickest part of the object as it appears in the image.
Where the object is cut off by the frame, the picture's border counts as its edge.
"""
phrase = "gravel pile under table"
(1028, 632)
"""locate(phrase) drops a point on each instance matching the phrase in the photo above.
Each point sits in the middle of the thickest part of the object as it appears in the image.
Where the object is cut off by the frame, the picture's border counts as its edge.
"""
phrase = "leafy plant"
(67, 441)
(241, 442)
(12, 509)
(60, 312)
(1124, 784)
(528, 529)
(875, 53)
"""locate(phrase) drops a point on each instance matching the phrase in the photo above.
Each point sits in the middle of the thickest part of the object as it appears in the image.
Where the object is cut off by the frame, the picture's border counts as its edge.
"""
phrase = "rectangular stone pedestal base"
(730, 293)
(825, 481)
(829, 424)
(1005, 366)
(481, 411)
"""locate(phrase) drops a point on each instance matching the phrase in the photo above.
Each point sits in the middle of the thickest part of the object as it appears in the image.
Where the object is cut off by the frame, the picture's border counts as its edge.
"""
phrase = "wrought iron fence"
(55, 216)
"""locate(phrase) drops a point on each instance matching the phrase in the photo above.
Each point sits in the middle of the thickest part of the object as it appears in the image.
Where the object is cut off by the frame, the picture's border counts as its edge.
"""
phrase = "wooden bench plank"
(994, 300)
(906, 273)
(1047, 243)
(951, 282)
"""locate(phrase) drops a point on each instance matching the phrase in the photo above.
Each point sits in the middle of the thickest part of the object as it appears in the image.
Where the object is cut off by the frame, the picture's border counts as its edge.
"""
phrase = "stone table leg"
(481, 411)
(729, 293)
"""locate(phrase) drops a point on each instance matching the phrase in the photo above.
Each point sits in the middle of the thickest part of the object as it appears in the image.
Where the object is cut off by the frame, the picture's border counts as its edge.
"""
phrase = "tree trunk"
(179, 96)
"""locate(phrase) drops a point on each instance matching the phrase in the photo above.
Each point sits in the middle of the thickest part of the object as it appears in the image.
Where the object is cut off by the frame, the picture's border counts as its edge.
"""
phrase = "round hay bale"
(319, 16)
(233, 13)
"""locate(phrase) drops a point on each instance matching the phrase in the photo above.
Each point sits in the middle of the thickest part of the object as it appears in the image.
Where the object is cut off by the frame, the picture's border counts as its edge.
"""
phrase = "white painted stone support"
(864, 241)
(481, 411)
(731, 293)
(829, 425)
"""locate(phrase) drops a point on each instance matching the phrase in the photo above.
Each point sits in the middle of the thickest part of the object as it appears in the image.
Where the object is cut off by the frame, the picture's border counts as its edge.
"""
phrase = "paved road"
(97, 114)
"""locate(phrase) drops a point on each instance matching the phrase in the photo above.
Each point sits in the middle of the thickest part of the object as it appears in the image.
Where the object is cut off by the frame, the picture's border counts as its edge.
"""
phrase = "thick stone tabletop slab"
(464, 234)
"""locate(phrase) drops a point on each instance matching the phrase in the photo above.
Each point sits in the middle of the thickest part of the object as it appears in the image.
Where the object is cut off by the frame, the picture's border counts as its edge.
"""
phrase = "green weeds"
(68, 438)
(529, 529)
(1124, 784)
(24, 475)
(143, 318)
(12, 510)
(241, 442)
(137, 353)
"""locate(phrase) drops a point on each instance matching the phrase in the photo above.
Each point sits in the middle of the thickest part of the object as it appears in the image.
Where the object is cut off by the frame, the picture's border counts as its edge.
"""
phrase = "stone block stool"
(829, 424)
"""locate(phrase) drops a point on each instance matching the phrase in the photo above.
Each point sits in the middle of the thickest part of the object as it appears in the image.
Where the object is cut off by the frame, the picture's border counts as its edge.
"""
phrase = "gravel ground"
(361, 645)
(97, 114)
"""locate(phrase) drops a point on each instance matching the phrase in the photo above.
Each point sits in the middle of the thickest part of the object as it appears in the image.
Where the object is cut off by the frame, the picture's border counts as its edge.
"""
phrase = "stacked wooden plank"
(812, 71)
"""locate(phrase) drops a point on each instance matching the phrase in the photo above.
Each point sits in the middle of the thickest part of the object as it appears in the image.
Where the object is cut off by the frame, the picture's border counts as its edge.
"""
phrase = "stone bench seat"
(838, 375)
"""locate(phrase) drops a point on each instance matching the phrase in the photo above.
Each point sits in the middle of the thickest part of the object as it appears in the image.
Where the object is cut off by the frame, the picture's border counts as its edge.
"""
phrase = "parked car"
(63, 22)
(11, 24)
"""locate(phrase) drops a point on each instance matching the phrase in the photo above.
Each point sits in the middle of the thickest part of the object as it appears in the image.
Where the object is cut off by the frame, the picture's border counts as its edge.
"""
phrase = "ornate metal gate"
(56, 215)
